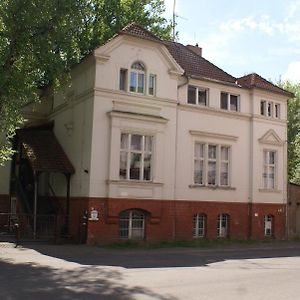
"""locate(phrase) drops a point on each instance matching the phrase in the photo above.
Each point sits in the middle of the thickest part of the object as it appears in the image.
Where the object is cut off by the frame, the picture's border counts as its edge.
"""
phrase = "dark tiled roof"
(253, 80)
(138, 31)
(44, 151)
(195, 65)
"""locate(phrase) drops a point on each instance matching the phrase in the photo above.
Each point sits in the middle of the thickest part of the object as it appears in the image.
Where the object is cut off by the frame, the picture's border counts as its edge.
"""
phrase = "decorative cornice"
(137, 116)
(213, 135)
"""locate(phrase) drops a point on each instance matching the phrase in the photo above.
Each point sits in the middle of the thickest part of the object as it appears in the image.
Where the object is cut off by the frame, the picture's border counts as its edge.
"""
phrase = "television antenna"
(175, 16)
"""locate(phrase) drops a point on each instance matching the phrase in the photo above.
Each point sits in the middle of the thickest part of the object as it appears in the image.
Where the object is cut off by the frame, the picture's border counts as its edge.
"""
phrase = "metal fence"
(21, 226)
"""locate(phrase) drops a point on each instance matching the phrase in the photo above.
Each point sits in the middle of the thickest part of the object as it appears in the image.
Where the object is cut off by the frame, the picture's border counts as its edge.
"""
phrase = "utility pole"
(174, 20)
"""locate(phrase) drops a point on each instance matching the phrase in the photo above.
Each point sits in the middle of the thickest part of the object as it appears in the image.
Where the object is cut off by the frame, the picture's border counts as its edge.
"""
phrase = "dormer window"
(137, 78)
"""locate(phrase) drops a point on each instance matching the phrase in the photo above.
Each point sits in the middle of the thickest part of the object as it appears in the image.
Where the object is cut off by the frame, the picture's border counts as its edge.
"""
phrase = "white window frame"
(128, 151)
(267, 165)
(228, 101)
(218, 160)
(223, 231)
(224, 161)
(265, 104)
(197, 95)
(154, 77)
(268, 225)
(131, 228)
(137, 73)
(199, 225)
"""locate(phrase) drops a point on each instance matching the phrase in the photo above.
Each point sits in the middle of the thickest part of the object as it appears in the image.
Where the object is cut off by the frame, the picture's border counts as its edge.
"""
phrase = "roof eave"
(214, 80)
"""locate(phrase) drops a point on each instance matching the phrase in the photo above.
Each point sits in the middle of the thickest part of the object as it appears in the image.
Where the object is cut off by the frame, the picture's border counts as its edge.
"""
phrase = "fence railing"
(21, 226)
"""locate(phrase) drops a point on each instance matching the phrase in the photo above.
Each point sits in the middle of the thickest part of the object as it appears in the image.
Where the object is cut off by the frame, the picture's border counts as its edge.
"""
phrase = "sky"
(242, 37)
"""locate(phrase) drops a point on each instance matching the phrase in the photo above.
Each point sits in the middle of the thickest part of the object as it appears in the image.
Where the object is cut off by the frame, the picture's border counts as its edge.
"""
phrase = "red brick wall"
(168, 220)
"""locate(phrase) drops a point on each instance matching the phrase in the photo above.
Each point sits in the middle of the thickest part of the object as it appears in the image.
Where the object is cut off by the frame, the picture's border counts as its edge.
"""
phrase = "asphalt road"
(82, 272)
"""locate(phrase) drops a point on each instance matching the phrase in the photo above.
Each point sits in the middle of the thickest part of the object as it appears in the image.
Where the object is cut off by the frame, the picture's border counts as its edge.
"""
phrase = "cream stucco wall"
(92, 112)
(72, 116)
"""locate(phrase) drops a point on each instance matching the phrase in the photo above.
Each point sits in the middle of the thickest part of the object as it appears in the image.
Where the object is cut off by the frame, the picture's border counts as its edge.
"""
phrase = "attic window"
(137, 78)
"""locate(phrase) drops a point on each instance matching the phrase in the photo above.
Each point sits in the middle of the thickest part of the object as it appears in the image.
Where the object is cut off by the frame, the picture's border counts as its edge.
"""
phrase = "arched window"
(132, 225)
(223, 226)
(137, 78)
(199, 229)
(268, 225)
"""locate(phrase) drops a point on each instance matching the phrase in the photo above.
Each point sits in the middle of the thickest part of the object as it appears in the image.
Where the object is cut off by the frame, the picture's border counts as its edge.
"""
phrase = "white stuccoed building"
(161, 143)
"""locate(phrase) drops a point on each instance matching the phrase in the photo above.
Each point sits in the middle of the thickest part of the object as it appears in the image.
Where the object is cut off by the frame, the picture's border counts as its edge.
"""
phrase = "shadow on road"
(33, 281)
(159, 258)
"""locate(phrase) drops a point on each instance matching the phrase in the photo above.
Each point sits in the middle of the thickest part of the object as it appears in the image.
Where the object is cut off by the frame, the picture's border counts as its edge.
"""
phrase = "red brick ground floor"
(169, 219)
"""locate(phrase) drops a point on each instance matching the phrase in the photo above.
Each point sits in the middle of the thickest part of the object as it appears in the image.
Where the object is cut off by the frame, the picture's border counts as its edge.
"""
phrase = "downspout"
(176, 150)
(251, 170)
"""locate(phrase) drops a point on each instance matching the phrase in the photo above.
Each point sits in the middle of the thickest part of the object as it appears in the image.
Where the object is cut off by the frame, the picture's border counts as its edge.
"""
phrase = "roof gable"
(253, 80)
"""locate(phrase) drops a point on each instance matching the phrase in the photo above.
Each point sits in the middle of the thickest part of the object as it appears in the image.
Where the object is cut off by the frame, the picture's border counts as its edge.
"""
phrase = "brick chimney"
(196, 49)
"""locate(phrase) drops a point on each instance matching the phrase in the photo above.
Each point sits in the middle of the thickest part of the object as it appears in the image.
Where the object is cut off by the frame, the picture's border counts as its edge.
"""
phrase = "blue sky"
(242, 37)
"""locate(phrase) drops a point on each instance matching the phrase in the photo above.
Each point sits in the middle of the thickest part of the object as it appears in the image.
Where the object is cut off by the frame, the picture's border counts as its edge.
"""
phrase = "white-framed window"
(223, 226)
(230, 101)
(197, 95)
(268, 225)
(270, 109)
(139, 81)
(132, 225)
(136, 157)
(276, 110)
(152, 85)
(211, 164)
(269, 169)
(199, 225)
(137, 78)
(123, 80)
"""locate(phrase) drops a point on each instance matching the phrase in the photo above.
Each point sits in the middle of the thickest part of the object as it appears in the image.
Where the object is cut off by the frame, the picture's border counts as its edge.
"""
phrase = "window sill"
(134, 182)
(270, 191)
(212, 187)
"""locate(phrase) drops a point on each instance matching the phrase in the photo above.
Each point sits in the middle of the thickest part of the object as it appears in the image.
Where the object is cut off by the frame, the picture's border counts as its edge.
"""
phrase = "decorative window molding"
(213, 135)
(271, 138)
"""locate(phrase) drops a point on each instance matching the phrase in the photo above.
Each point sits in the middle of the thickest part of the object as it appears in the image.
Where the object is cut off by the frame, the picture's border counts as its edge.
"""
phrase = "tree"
(40, 41)
(293, 132)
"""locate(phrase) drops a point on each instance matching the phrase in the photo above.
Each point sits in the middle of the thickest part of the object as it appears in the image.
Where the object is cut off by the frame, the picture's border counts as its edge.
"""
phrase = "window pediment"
(271, 138)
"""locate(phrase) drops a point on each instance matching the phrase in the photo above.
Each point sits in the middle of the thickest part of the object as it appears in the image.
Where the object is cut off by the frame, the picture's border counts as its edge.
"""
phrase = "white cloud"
(264, 24)
(292, 10)
(293, 72)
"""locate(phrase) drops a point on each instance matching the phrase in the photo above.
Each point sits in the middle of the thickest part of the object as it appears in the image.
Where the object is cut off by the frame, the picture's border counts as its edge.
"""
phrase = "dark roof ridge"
(132, 28)
(253, 83)
(199, 58)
